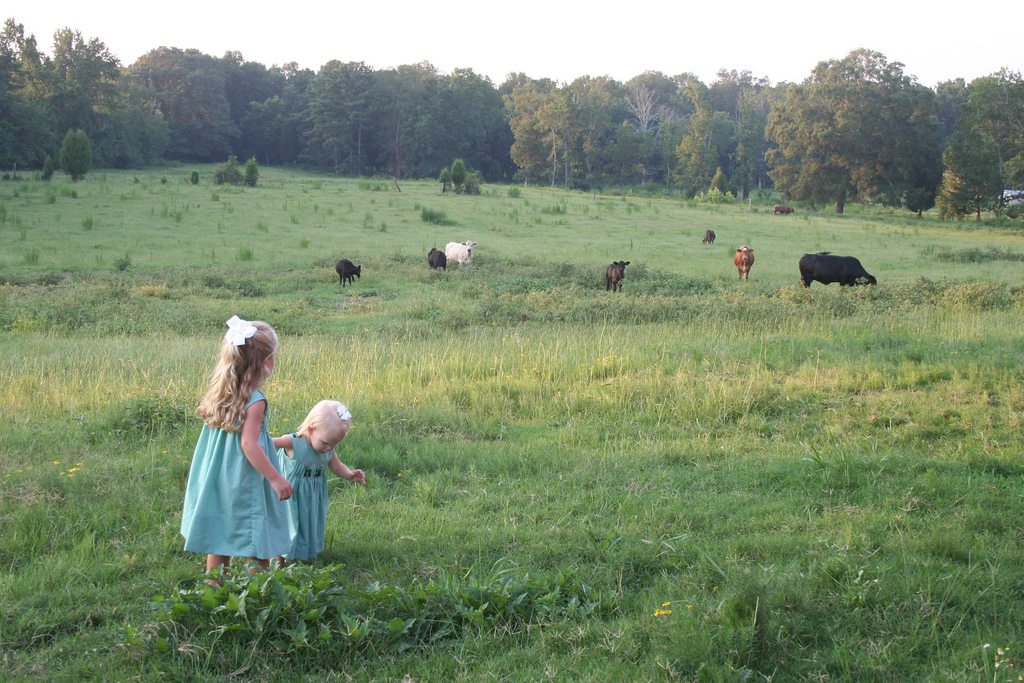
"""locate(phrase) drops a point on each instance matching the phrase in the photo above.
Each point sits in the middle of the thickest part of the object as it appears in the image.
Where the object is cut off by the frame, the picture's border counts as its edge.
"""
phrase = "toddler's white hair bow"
(343, 413)
(238, 331)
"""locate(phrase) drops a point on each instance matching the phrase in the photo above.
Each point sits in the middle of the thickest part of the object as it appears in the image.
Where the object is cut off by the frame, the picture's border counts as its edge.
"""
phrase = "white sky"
(780, 40)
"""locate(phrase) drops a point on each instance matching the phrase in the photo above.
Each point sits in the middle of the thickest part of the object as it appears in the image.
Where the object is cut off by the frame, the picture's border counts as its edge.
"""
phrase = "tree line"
(857, 129)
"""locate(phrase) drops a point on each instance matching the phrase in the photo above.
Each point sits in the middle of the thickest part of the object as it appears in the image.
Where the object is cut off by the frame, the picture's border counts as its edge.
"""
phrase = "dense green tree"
(295, 125)
(627, 158)
(189, 90)
(82, 81)
(248, 82)
(252, 172)
(473, 113)
(268, 131)
(445, 178)
(991, 111)
(339, 111)
(719, 181)
(598, 107)
(557, 116)
(531, 143)
(746, 100)
(458, 175)
(27, 132)
(131, 133)
(248, 86)
(47, 168)
(971, 182)
(76, 154)
(987, 154)
(699, 152)
(858, 128)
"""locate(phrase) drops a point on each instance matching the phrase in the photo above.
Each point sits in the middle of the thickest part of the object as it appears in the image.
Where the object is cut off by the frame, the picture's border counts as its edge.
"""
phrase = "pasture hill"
(690, 478)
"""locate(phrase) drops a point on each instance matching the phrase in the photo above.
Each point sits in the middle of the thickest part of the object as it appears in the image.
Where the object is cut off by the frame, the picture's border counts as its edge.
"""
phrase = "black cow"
(437, 259)
(346, 269)
(709, 237)
(613, 275)
(826, 269)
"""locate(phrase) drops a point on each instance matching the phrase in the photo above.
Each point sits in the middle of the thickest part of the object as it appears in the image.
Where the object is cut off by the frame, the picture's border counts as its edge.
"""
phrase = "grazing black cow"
(346, 269)
(826, 269)
(437, 259)
(709, 237)
(613, 275)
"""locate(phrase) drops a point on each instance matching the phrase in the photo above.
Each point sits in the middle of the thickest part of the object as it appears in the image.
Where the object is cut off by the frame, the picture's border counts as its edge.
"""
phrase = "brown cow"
(744, 259)
(779, 208)
(709, 237)
(613, 275)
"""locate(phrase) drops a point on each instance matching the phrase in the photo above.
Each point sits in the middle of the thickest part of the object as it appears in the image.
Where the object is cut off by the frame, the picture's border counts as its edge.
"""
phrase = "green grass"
(823, 483)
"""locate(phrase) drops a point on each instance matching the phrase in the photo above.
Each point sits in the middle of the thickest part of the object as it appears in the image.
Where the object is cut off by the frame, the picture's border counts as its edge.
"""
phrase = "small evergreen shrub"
(435, 216)
(228, 173)
(252, 172)
(76, 154)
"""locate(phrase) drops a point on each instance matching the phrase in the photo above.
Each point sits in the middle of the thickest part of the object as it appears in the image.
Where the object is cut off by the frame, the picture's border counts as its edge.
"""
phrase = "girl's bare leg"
(262, 563)
(217, 561)
(214, 561)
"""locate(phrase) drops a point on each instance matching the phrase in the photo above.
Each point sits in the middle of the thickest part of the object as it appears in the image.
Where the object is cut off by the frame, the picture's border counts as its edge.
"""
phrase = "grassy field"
(692, 479)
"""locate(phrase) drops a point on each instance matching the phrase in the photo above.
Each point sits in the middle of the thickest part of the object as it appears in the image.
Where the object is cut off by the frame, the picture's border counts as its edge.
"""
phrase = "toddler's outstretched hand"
(358, 477)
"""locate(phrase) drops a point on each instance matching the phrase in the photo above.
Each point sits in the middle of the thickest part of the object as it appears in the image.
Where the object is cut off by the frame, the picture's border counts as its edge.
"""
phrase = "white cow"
(460, 251)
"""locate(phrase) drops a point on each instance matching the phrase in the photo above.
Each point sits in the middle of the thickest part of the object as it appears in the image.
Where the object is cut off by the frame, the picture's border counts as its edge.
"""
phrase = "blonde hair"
(240, 370)
(324, 416)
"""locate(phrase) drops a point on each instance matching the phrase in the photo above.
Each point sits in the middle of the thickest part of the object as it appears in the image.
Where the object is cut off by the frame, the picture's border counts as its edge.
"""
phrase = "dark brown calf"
(437, 259)
(613, 275)
(709, 237)
(782, 209)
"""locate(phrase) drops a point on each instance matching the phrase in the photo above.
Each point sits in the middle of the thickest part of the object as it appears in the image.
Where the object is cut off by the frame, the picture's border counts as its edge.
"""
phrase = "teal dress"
(307, 472)
(230, 508)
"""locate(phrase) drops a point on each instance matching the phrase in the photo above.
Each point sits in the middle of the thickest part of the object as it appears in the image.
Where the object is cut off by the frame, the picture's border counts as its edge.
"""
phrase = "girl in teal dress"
(235, 500)
(306, 455)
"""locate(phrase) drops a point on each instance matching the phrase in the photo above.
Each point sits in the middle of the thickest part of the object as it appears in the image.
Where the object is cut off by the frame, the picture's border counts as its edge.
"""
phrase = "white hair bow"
(343, 413)
(238, 331)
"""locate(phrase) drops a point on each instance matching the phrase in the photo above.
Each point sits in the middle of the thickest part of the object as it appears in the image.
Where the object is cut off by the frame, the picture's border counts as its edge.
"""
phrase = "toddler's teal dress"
(230, 508)
(307, 472)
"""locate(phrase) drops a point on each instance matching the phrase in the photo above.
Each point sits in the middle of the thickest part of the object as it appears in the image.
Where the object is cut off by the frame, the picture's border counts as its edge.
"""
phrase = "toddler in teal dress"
(235, 497)
(306, 455)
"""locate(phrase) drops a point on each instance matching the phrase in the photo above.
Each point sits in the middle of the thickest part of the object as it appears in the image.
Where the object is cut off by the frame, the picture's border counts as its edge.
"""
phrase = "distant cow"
(779, 208)
(346, 269)
(613, 275)
(743, 259)
(437, 259)
(826, 269)
(460, 252)
(709, 237)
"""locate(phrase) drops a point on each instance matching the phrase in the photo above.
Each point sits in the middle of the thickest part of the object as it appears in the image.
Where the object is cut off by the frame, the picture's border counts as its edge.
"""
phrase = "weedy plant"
(301, 607)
